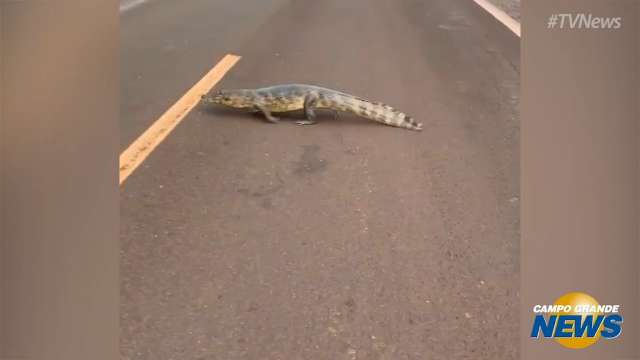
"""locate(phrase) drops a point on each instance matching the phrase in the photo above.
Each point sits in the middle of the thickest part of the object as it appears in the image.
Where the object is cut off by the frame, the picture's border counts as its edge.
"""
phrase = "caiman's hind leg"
(335, 114)
(309, 110)
(267, 114)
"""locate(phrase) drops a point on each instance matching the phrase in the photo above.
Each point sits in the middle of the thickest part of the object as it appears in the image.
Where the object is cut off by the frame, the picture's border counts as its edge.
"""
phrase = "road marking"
(138, 151)
(128, 5)
(502, 16)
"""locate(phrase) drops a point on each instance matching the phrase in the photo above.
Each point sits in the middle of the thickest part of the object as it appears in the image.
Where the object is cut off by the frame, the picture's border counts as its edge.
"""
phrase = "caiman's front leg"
(309, 110)
(267, 114)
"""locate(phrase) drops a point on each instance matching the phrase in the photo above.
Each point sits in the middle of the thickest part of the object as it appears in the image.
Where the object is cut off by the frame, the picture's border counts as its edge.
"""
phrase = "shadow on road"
(323, 116)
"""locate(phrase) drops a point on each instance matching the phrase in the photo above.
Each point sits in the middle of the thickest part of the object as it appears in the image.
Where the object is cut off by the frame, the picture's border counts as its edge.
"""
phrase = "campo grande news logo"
(576, 321)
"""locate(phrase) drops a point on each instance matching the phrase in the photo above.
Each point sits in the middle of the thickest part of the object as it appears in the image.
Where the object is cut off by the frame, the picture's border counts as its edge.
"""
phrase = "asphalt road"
(243, 239)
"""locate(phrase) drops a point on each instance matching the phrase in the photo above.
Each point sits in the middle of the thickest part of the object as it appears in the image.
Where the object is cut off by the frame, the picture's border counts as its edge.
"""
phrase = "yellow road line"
(138, 151)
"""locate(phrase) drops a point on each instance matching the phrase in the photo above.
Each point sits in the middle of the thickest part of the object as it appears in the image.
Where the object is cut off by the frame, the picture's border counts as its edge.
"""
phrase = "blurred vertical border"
(580, 169)
(59, 179)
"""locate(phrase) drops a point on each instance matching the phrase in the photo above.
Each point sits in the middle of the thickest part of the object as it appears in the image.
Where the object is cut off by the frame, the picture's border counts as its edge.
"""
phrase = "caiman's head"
(231, 98)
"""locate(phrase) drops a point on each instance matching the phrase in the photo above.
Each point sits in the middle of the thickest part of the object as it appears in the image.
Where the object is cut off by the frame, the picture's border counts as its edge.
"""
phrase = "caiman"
(309, 98)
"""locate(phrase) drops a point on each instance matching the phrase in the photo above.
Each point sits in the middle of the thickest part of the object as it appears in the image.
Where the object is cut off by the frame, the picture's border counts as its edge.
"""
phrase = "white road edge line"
(502, 16)
(131, 5)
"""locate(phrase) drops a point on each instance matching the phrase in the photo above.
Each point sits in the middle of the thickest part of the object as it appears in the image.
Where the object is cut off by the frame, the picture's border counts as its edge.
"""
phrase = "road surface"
(342, 240)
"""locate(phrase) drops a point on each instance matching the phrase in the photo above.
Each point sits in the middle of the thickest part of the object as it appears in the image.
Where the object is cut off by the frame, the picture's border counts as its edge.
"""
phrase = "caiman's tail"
(377, 112)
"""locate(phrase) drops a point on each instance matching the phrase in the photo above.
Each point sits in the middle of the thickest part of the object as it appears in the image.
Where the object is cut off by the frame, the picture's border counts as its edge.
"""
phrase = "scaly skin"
(292, 97)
